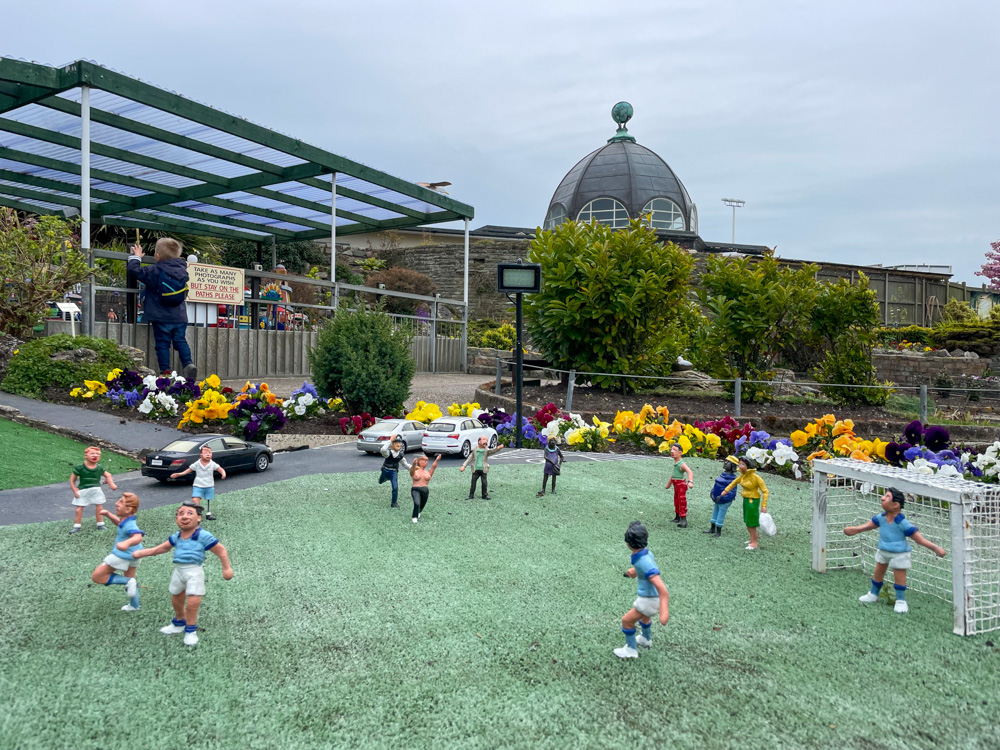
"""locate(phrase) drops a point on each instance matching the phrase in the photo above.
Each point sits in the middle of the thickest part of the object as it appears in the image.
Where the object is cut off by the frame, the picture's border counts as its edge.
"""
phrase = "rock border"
(278, 442)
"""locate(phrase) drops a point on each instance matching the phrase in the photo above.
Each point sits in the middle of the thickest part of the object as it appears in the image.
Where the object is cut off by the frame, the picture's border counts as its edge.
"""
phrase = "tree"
(991, 268)
(40, 261)
(755, 307)
(297, 257)
(361, 357)
(610, 300)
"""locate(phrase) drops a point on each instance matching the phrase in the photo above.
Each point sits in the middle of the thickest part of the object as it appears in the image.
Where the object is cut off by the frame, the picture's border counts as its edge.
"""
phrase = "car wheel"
(405, 446)
(261, 462)
(493, 441)
(466, 449)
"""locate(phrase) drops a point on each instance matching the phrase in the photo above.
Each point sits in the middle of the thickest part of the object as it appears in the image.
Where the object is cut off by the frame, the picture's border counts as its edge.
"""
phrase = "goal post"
(961, 516)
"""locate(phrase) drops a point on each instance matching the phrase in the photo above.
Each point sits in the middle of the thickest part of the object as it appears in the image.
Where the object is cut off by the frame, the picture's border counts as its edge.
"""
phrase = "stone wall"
(484, 361)
(443, 263)
(909, 368)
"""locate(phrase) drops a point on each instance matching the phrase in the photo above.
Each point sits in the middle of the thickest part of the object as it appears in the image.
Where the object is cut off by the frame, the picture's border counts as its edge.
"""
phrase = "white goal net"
(961, 516)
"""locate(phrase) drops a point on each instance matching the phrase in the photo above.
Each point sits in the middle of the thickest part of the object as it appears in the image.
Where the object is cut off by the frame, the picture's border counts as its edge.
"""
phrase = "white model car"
(456, 435)
(410, 431)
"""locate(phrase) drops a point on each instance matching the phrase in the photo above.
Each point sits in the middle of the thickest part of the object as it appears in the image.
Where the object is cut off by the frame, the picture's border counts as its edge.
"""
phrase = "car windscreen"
(182, 446)
(441, 427)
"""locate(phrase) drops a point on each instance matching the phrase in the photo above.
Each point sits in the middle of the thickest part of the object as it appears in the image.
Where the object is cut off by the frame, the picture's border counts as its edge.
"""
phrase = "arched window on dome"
(693, 222)
(663, 213)
(557, 215)
(605, 211)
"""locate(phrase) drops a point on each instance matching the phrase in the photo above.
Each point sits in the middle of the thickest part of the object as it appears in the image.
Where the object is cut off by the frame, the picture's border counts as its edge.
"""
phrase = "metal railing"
(439, 326)
(738, 383)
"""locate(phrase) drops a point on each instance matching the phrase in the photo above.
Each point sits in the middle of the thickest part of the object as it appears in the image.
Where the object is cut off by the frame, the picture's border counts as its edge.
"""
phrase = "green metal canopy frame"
(86, 139)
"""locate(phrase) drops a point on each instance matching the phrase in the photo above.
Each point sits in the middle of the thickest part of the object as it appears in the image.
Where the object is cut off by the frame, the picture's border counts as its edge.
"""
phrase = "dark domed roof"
(630, 174)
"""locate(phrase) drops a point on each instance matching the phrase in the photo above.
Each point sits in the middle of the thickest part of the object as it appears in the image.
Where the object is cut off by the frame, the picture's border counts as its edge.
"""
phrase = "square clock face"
(524, 278)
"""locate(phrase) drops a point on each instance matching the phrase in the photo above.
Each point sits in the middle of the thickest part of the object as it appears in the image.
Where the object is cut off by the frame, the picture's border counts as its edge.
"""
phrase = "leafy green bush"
(912, 334)
(403, 280)
(981, 337)
(362, 358)
(609, 300)
(956, 311)
(503, 337)
(32, 370)
(478, 328)
(844, 317)
(755, 306)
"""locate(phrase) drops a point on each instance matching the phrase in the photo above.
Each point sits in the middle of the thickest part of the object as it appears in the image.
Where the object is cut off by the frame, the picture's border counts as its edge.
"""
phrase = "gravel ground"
(441, 388)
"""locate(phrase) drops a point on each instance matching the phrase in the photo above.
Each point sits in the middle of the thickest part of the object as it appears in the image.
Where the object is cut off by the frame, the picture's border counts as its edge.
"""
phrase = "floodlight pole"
(333, 240)
(519, 360)
(89, 315)
(735, 203)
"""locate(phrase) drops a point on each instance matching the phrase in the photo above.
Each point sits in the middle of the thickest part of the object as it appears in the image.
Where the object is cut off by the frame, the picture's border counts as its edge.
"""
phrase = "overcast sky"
(863, 132)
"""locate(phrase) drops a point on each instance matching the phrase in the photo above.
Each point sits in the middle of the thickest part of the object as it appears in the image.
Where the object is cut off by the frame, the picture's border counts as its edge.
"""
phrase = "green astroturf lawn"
(31, 458)
(488, 624)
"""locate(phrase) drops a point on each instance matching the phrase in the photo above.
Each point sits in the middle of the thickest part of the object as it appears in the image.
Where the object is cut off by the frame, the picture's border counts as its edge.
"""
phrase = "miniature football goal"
(961, 516)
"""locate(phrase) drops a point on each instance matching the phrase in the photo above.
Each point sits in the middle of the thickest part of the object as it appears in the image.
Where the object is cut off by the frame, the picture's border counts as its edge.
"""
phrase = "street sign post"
(518, 279)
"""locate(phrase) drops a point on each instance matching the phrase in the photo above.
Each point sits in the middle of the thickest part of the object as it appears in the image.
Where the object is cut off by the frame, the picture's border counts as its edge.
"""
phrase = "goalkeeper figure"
(894, 531)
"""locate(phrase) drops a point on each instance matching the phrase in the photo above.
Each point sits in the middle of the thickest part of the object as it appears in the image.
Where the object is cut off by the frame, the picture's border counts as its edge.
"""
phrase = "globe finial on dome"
(621, 113)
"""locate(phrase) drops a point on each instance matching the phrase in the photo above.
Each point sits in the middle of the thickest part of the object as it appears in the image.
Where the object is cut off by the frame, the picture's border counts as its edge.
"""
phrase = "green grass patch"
(488, 624)
(32, 458)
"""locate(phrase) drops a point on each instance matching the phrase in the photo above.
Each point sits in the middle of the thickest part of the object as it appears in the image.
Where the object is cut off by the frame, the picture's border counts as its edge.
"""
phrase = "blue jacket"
(152, 310)
(720, 484)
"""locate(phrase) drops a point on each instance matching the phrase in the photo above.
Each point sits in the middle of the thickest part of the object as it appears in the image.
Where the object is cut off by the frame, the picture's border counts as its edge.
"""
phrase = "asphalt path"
(53, 502)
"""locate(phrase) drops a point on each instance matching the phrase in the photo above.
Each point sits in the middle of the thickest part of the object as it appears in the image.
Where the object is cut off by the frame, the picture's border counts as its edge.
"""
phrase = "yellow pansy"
(817, 454)
(212, 381)
(859, 455)
(575, 437)
(665, 446)
(96, 386)
(114, 373)
(799, 438)
(684, 443)
(843, 427)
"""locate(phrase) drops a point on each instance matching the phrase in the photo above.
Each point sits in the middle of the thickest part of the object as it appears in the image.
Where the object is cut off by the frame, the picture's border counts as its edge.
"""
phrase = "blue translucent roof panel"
(156, 149)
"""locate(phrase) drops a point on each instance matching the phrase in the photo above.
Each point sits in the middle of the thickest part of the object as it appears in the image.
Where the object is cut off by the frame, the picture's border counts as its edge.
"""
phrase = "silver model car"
(410, 432)
(456, 435)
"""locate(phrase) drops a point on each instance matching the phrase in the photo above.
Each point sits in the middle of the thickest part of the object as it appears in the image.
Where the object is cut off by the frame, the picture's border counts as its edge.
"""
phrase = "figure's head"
(167, 247)
(746, 464)
(397, 443)
(636, 536)
(676, 451)
(127, 504)
(421, 462)
(189, 516)
(206, 453)
(730, 463)
(893, 500)
(483, 442)
(92, 454)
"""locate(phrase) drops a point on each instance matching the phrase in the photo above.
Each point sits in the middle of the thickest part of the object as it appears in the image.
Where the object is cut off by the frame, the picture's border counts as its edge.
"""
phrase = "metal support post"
(569, 389)
(820, 484)
(959, 563)
(465, 299)
(465, 338)
(519, 370)
(434, 335)
(738, 393)
(333, 239)
(274, 253)
(923, 404)
(89, 299)
(500, 363)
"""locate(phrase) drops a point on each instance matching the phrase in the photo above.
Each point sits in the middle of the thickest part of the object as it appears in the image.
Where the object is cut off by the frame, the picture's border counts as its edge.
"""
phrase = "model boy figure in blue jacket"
(167, 314)
(722, 499)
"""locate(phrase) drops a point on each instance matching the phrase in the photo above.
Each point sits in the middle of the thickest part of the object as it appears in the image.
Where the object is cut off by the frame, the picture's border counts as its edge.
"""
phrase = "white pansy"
(921, 466)
(306, 399)
(796, 471)
(783, 453)
(149, 381)
(300, 410)
(759, 455)
(146, 406)
(948, 471)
